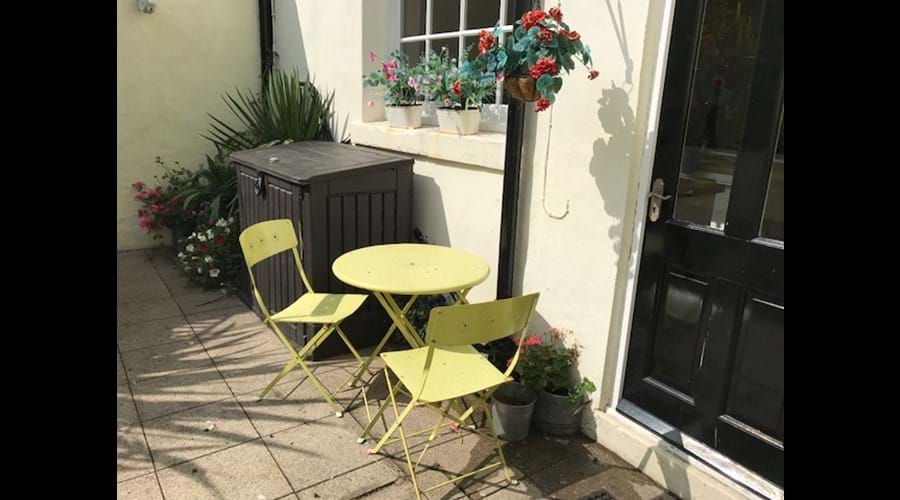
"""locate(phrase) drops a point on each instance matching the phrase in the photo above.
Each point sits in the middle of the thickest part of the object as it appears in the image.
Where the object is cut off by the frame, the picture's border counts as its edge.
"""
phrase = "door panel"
(706, 352)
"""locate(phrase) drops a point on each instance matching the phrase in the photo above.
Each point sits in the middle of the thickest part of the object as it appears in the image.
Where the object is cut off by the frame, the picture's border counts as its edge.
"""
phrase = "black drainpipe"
(266, 41)
(509, 215)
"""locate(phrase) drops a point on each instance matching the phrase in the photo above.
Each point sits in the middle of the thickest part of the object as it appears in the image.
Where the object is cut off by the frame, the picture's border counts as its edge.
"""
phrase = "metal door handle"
(657, 196)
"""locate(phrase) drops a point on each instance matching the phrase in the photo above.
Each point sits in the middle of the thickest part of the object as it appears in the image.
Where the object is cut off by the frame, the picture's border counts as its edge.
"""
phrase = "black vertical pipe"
(515, 124)
(266, 42)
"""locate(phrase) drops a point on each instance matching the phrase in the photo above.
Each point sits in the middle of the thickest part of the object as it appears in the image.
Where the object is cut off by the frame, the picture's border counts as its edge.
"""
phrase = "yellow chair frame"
(264, 240)
(449, 350)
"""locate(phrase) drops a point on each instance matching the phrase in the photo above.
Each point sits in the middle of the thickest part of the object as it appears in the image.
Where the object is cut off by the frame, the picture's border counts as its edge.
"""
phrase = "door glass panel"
(718, 109)
(773, 216)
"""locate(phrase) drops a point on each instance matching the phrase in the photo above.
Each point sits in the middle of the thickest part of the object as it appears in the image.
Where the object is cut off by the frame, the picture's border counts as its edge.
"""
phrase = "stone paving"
(189, 425)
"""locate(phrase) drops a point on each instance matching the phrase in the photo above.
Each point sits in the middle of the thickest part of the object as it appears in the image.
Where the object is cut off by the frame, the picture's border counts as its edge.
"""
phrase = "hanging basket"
(522, 88)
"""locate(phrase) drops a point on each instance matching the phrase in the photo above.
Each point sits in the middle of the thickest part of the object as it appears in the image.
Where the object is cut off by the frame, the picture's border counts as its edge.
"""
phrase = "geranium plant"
(550, 366)
(212, 256)
(162, 206)
(398, 79)
(452, 87)
(540, 46)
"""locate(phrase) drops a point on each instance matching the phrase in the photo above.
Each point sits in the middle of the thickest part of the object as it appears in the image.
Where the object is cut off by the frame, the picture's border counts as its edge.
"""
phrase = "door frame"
(689, 446)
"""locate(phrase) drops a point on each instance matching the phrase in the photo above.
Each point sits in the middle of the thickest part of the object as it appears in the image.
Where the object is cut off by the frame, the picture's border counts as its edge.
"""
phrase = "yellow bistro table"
(408, 269)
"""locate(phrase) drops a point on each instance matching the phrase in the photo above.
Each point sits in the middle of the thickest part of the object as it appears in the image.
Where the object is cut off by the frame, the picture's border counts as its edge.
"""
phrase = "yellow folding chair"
(266, 239)
(448, 368)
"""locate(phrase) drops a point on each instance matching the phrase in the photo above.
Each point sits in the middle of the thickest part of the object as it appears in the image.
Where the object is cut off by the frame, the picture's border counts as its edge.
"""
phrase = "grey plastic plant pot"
(511, 408)
(557, 415)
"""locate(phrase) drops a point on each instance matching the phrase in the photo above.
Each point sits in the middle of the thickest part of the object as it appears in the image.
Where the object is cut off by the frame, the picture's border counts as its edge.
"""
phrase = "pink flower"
(532, 340)
(138, 185)
(500, 76)
(372, 56)
(411, 82)
(371, 103)
(594, 74)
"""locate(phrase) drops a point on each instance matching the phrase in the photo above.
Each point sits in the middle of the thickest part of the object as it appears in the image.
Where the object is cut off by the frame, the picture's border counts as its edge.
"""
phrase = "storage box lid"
(311, 161)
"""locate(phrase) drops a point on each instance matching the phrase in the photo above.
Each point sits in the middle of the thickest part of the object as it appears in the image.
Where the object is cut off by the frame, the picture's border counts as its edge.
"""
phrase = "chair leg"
(490, 423)
(396, 424)
(399, 422)
(338, 411)
(284, 371)
(337, 326)
(374, 418)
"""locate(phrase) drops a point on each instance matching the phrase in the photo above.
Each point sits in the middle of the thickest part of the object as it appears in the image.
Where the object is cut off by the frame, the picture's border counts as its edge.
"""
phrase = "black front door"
(706, 352)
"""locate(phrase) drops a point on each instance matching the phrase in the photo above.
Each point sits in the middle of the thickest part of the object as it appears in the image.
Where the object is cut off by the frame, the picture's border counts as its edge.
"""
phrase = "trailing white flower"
(221, 223)
(180, 255)
(227, 230)
(199, 270)
(214, 273)
(189, 248)
(208, 259)
(210, 234)
(201, 237)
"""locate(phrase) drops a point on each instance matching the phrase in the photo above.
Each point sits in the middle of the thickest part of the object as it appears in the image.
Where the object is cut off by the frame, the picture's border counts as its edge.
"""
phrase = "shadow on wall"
(290, 53)
(427, 199)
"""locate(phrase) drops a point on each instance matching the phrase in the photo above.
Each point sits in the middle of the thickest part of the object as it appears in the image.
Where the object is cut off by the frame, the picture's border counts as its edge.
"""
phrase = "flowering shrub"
(161, 207)
(398, 79)
(465, 87)
(550, 366)
(212, 256)
(540, 45)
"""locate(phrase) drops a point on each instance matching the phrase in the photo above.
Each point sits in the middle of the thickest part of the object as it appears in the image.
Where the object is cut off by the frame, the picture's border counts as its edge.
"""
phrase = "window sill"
(484, 149)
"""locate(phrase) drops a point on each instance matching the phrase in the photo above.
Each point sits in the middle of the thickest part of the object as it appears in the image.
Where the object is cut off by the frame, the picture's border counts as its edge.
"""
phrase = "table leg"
(380, 346)
(408, 330)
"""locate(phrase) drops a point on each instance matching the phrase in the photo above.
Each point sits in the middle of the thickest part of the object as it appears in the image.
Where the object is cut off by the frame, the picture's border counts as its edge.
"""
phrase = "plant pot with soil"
(548, 366)
(512, 406)
(401, 90)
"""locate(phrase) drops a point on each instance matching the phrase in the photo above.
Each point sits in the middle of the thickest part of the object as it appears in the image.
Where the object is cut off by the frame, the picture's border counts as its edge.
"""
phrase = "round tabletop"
(410, 269)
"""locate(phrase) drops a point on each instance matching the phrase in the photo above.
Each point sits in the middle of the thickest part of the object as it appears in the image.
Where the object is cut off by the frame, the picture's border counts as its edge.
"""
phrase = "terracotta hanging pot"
(522, 88)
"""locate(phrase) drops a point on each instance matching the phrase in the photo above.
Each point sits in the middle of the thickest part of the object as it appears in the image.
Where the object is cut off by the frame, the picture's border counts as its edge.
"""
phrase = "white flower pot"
(404, 116)
(460, 122)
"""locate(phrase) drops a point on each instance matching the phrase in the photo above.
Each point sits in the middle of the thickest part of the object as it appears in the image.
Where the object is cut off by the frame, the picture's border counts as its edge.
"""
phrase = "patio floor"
(189, 425)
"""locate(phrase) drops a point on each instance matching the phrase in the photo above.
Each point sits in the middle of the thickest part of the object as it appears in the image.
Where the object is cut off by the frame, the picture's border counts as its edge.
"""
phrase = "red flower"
(544, 66)
(532, 340)
(219, 240)
(545, 36)
(203, 248)
(456, 87)
(485, 41)
(556, 14)
(594, 74)
(138, 185)
(531, 18)
(571, 35)
(139, 197)
(154, 208)
(541, 104)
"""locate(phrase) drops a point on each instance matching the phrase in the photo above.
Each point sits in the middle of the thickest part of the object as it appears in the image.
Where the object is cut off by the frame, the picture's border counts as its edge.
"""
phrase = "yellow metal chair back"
(267, 239)
(481, 323)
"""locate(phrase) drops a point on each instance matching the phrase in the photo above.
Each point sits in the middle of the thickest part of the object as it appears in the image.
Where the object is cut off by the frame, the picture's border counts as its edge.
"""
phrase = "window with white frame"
(427, 25)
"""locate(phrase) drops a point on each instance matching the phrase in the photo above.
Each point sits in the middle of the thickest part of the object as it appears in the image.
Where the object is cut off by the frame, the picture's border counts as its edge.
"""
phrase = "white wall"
(172, 66)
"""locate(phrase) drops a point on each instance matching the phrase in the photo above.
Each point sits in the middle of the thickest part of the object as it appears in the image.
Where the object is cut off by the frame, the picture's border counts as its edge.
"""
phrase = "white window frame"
(493, 116)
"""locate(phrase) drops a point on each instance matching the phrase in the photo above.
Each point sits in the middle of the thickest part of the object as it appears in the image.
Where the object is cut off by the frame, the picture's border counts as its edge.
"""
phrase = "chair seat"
(320, 308)
(455, 371)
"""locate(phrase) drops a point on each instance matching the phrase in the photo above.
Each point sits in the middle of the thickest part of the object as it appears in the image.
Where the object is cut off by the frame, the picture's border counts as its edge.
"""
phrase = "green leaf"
(544, 82)
(557, 84)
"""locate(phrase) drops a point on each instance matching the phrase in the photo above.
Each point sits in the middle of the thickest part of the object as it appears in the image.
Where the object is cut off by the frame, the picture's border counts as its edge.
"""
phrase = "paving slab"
(182, 357)
(170, 394)
(244, 472)
(141, 488)
(325, 449)
(153, 333)
(146, 310)
(197, 432)
(132, 454)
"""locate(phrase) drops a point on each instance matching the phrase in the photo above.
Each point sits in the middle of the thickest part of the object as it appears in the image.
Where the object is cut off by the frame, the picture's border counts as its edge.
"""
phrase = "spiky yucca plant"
(291, 109)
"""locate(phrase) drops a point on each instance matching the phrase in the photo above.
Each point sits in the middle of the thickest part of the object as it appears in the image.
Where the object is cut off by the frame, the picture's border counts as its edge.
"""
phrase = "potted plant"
(401, 90)
(457, 92)
(548, 368)
(540, 45)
